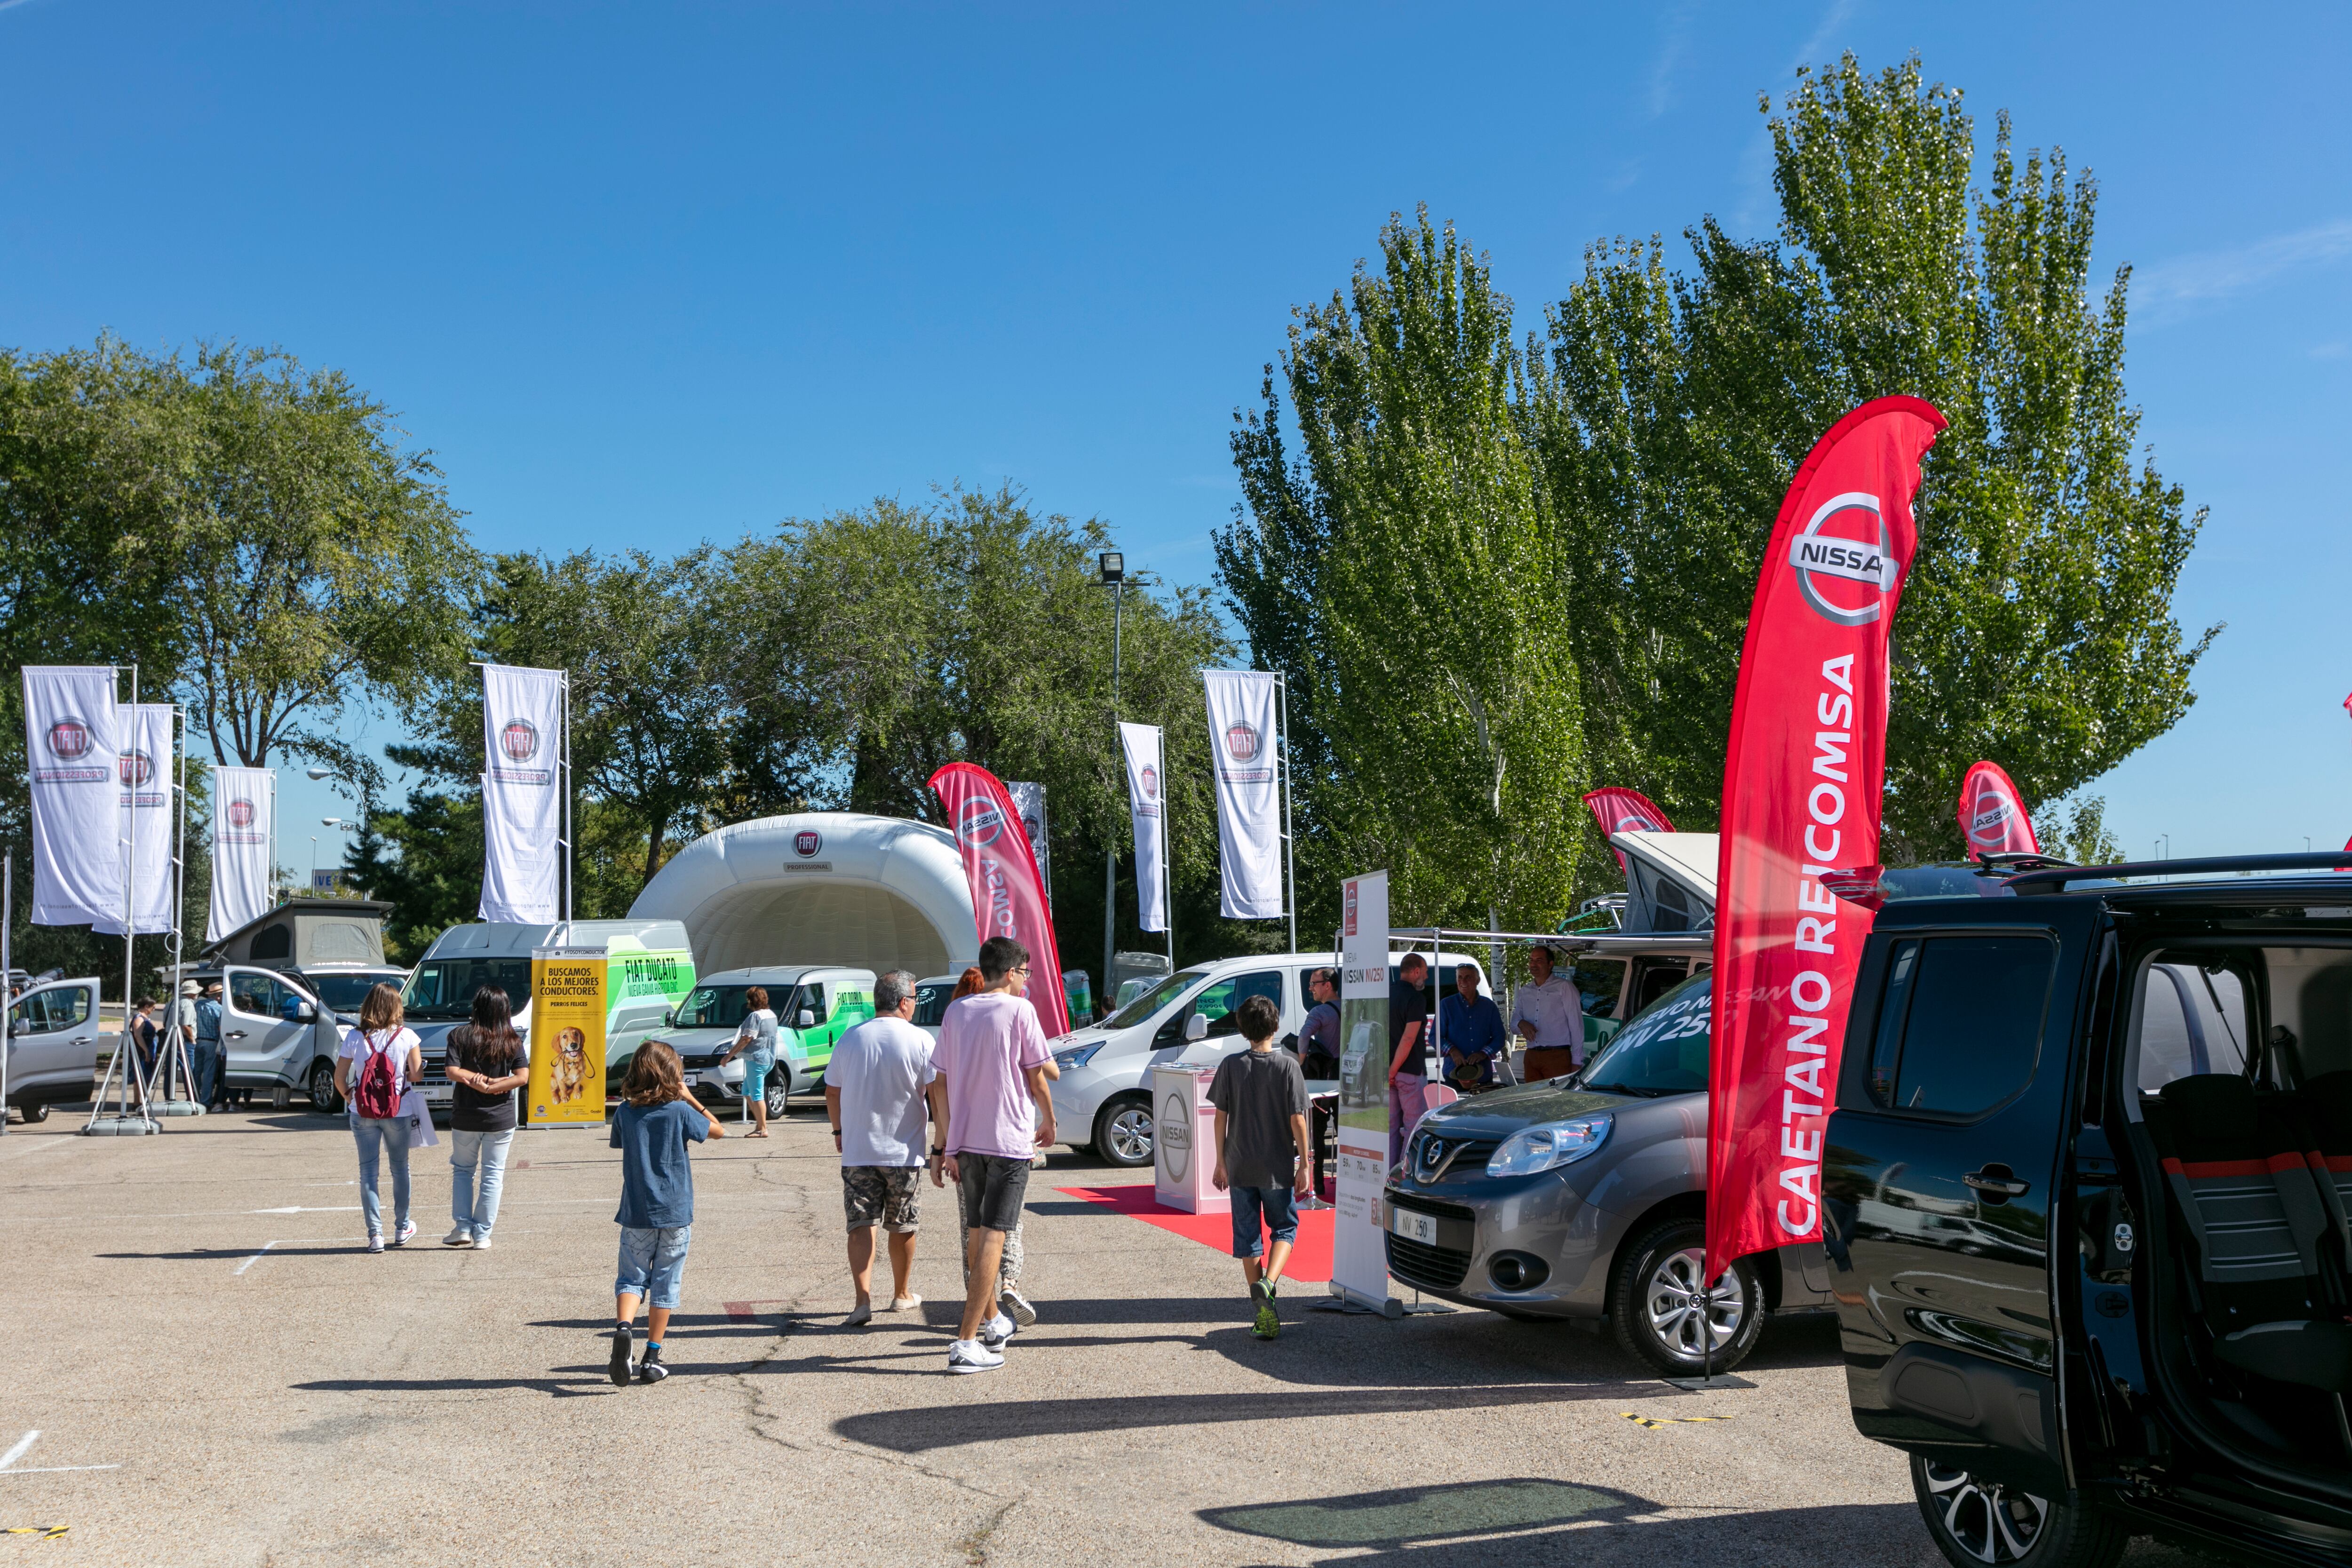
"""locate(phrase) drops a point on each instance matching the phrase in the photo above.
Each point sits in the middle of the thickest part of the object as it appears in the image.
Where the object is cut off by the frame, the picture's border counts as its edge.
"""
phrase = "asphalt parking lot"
(216, 1372)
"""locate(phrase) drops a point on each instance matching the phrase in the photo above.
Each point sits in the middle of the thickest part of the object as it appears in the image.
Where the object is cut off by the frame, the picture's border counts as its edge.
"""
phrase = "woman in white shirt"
(755, 1042)
(383, 1036)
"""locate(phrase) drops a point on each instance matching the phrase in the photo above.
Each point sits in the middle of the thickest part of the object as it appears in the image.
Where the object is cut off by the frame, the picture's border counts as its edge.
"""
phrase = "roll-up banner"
(1147, 801)
(1801, 789)
(1008, 897)
(1242, 737)
(523, 799)
(567, 1036)
(245, 842)
(1360, 1257)
(1625, 811)
(1029, 800)
(143, 772)
(69, 754)
(1992, 813)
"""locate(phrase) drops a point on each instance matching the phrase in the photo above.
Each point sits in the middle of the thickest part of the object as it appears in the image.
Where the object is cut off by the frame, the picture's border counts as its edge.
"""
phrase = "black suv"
(2088, 1202)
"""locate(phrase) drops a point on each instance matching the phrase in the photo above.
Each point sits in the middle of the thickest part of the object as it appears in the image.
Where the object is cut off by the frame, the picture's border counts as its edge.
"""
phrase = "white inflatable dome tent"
(820, 887)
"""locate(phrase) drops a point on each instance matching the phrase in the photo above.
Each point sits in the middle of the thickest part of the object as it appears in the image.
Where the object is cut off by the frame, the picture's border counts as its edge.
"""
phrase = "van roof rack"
(2054, 879)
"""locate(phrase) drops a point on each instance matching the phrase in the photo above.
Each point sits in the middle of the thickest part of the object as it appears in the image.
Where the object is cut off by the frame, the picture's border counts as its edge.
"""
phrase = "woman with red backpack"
(378, 1062)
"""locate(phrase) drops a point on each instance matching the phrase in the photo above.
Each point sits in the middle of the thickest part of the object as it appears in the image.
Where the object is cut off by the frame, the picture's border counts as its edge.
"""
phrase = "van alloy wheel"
(1989, 1521)
(322, 1089)
(1658, 1312)
(1125, 1133)
(1673, 1302)
(778, 1096)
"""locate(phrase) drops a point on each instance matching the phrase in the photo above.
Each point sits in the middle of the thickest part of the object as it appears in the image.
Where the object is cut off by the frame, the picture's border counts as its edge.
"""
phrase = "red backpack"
(377, 1096)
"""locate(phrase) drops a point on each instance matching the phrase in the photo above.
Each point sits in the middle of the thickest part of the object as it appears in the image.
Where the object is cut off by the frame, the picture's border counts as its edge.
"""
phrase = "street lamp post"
(1113, 565)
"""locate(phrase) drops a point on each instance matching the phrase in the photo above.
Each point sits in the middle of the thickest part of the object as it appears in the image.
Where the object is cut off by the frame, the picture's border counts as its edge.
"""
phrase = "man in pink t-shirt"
(991, 1061)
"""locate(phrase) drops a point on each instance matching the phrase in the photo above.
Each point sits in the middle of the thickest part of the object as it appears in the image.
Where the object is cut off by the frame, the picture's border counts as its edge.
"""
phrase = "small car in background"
(814, 1006)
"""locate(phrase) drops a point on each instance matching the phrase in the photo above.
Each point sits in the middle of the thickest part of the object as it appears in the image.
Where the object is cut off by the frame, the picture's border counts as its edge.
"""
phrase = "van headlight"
(1076, 1056)
(1548, 1144)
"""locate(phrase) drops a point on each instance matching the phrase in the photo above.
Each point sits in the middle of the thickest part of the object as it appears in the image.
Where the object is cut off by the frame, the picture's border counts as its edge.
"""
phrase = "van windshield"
(344, 993)
(1661, 1051)
(1153, 1000)
(443, 988)
(714, 1007)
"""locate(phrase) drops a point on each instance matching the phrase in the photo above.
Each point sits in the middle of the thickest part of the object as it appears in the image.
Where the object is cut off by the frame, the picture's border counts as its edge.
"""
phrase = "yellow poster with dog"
(567, 1036)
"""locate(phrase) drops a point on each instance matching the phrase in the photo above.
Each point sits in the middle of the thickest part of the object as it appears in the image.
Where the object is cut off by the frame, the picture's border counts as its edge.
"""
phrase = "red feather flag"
(1625, 811)
(1992, 813)
(1008, 896)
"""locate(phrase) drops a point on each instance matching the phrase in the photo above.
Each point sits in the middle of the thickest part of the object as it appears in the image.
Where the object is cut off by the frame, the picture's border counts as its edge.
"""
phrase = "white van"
(651, 970)
(1102, 1099)
(52, 1047)
(814, 1006)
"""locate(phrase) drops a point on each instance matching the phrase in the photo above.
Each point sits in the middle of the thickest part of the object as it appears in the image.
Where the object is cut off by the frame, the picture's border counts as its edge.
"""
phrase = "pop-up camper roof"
(303, 933)
(1669, 880)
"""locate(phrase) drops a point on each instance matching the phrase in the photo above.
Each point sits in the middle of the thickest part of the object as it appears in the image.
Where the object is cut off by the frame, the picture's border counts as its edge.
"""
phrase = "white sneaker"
(970, 1355)
(997, 1330)
(1015, 1303)
(460, 1235)
(482, 1241)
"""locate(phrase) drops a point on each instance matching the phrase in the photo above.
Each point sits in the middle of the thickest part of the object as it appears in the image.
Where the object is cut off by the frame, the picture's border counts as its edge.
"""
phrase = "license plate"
(1413, 1226)
(436, 1092)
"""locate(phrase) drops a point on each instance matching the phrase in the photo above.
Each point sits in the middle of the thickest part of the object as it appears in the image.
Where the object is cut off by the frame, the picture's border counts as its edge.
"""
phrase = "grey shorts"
(992, 1187)
(887, 1196)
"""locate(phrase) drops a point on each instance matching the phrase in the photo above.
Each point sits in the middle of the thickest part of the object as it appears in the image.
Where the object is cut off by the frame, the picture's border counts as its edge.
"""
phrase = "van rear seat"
(2242, 1180)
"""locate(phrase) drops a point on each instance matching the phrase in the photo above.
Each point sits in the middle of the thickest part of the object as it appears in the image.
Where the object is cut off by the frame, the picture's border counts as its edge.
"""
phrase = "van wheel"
(321, 1088)
(32, 1113)
(1123, 1132)
(1657, 1312)
(1976, 1522)
(778, 1099)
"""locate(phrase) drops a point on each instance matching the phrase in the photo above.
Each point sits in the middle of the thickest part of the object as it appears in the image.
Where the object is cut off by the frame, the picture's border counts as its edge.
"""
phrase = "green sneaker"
(1268, 1325)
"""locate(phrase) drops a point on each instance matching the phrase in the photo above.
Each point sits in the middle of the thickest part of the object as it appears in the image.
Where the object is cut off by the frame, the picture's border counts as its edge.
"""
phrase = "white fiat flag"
(144, 774)
(69, 740)
(1249, 793)
(1029, 800)
(244, 848)
(522, 717)
(1147, 795)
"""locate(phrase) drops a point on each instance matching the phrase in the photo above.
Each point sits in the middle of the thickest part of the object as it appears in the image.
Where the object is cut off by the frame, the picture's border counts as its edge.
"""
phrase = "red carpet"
(1310, 1254)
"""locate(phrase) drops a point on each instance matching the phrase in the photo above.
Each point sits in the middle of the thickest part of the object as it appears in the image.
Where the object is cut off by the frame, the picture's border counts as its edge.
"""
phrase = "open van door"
(265, 1024)
(1941, 1159)
(52, 1045)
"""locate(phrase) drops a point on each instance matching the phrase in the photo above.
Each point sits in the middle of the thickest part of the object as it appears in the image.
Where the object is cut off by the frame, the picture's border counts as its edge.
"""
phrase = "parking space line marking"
(332, 1208)
(249, 1262)
(1653, 1422)
(24, 1445)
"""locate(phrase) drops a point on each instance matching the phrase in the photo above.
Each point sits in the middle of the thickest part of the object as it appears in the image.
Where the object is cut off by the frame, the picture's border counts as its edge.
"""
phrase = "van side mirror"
(1196, 1027)
(306, 1014)
(804, 1019)
(669, 1017)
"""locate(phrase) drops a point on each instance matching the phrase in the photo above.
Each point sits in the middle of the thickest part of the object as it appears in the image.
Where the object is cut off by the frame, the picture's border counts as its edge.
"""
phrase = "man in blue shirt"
(208, 1067)
(1469, 1033)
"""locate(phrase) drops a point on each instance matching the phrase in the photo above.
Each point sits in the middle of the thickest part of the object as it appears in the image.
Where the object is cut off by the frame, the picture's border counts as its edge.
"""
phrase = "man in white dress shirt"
(1549, 1014)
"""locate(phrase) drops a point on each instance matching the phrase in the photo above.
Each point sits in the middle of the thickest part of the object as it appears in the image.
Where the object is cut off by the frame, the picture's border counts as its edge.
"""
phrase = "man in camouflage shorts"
(877, 1092)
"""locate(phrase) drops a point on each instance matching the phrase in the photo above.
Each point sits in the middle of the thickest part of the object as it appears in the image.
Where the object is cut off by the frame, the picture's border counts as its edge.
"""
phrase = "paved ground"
(196, 1312)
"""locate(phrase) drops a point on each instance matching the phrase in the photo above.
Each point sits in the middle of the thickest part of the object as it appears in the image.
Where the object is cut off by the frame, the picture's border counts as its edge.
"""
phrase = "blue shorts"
(651, 1263)
(756, 1066)
(1280, 1207)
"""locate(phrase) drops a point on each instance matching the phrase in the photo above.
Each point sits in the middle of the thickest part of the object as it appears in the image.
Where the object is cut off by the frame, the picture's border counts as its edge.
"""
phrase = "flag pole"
(1289, 850)
(7, 975)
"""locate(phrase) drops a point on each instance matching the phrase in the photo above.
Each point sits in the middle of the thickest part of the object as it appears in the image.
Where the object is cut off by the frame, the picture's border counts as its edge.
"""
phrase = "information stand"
(1184, 1140)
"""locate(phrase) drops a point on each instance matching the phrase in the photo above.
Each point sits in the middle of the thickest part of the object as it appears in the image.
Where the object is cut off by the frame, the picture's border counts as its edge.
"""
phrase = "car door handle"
(237, 1034)
(1997, 1179)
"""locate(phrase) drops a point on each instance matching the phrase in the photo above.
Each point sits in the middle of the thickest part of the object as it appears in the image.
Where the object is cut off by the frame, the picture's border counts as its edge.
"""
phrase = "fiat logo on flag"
(240, 813)
(520, 739)
(807, 842)
(1241, 741)
(979, 822)
(69, 740)
(1151, 783)
(1845, 579)
(134, 769)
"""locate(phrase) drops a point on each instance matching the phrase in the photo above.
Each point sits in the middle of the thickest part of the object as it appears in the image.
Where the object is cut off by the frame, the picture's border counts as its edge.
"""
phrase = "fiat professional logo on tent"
(134, 769)
(240, 813)
(1241, 741)
(807, 842)
(1845, 560)
(520, 739)
(979, 824)
(69, 740)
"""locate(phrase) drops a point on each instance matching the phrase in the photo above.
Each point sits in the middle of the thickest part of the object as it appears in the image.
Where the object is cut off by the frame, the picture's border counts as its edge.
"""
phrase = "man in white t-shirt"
(876, 1089)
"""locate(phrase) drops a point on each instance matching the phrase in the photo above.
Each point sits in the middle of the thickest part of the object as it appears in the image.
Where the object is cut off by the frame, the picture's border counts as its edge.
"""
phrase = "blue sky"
(641, 276)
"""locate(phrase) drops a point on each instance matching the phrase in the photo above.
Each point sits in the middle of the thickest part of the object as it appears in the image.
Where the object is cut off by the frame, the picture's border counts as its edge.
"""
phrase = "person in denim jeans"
(381, 1033)
(1262, 1151)
(654, 1125)
(488, 1062)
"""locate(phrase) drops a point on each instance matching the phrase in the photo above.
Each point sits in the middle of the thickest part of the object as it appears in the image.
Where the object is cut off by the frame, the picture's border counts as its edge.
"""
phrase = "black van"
(2088, 1208)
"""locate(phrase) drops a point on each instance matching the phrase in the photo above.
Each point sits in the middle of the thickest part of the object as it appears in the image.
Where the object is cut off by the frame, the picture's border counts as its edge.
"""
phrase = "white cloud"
(1670, 55)
(2175, 288)
(1809, 53)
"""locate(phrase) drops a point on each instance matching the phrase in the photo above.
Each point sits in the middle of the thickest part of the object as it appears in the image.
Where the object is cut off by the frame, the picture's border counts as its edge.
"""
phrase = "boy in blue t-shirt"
(651, 1129)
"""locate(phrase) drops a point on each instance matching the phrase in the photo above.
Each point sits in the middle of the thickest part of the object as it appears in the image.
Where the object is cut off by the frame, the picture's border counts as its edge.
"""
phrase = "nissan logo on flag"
(807, 842)
(979, 822)
(240, 813)
(69, 740)
(1240, 742)
(520, 739)
(1868, 561)
(134, 769)
(1990, 825)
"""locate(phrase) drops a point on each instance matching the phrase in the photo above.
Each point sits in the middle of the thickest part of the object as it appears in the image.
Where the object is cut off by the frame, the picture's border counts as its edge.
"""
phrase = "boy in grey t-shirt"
(1262, 1150)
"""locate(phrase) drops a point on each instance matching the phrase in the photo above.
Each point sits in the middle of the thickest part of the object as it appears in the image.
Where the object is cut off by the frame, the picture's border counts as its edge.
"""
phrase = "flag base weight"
(121, 1127)
(174, 1108)
(1706, 1384)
